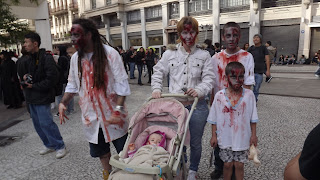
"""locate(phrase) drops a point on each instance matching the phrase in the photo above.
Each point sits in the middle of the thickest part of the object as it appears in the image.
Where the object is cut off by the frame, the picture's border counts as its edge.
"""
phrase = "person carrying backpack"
(39, 88)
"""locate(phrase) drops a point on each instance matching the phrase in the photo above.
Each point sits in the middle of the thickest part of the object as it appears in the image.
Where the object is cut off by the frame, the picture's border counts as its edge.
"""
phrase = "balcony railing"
(59, 9)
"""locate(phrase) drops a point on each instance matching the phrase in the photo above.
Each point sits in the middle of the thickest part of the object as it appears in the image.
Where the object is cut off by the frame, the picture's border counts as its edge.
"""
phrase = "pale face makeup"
(78, 36)
(231, 37)
(188, 35)
(154, 139)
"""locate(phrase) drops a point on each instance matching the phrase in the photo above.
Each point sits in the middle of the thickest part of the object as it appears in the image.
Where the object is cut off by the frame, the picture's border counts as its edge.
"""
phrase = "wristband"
(118, 108)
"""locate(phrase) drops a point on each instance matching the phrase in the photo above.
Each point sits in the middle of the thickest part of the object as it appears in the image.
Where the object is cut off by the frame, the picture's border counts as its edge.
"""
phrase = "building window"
(200, 6)
(154, 13)
(234, 5)
(278, 3)
(108, 2)
(114, 21)
(174, 10)
(134, 17)
(98, 22)
(93, 4)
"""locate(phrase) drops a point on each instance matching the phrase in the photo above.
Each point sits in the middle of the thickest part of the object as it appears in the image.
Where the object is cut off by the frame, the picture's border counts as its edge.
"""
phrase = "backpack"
(58, 87)
(59, 84)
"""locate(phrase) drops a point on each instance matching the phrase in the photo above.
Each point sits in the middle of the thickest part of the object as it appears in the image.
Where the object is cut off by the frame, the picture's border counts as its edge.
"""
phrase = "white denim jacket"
(186, 70)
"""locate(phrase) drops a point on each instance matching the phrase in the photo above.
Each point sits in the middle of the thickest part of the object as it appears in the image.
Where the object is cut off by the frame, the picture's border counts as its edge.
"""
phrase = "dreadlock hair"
(99, 56)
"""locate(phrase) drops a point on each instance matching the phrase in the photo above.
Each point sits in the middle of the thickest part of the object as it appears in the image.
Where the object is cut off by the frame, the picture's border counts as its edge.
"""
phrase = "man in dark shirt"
(261, 62)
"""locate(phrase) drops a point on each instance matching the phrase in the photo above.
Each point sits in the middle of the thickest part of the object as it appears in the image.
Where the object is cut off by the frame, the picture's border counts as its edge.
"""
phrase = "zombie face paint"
(188, 35)
(78, 36)
(236, 79)
(231, 37)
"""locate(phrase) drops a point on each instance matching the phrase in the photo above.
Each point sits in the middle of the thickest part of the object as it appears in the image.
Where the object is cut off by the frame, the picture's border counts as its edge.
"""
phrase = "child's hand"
(254, 140)
(214, 141)
(131, 146)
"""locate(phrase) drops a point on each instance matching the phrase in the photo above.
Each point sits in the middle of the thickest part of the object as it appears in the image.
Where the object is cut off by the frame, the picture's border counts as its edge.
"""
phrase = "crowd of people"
(141, 58)
(98, 73)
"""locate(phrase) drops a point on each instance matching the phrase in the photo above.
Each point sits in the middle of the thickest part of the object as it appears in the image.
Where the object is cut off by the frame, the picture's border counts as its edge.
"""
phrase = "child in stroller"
(157, 138)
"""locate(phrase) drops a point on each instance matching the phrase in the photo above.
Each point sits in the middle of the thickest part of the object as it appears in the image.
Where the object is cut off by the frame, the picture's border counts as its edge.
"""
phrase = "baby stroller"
(170, 116)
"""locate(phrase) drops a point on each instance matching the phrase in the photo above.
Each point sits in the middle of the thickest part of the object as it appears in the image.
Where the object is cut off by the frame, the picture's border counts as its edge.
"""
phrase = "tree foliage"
(11, 30)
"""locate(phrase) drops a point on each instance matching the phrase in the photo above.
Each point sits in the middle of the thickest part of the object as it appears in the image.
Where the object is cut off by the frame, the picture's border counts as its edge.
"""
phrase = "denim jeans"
(132, 68)
(258, 78)
(318, 71)
(70, 106)
(140, 72)
(196, 126)
(47, 130)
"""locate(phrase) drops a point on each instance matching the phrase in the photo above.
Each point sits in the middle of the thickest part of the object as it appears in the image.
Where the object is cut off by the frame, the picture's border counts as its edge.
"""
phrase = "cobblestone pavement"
(284, 123)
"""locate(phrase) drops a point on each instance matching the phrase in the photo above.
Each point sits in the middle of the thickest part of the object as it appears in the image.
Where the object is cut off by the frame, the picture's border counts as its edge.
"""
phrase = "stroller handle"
(175, 95)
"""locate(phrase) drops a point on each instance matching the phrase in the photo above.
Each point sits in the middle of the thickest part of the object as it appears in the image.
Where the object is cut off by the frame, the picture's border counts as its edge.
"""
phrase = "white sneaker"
(192, 175)
(61, 153)
(45, 150)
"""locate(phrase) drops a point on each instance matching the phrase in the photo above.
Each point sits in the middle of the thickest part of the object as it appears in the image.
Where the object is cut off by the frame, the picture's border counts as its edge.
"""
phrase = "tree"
(11, 30)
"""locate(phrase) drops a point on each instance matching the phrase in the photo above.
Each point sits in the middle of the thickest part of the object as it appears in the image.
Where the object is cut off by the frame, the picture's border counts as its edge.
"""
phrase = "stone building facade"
(292, 26)
(62, 13)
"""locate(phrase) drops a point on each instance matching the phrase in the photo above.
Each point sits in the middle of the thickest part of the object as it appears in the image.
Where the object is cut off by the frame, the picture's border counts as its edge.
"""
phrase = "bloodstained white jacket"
(186, 70)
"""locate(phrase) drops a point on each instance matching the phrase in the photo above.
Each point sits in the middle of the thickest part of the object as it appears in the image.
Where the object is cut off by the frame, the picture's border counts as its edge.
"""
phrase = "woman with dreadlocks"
(98, 75)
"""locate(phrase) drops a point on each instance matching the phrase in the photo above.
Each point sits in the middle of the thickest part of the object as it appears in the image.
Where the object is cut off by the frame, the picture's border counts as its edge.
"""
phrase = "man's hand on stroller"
(214, 141)
(156, 94)
(191, 92)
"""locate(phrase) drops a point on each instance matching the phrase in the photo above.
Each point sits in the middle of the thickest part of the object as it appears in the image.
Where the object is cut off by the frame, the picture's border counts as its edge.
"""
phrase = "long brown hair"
(99, 56)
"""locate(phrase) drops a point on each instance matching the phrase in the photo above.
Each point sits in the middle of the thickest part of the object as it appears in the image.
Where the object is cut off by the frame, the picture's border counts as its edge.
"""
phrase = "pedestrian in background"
(246, 46)
(150, 61)
(261, 62)
(140, 61)
(272, 52)
(208, 42)
(12, 95)
(40, 92)
(131, 56)
(97, 74)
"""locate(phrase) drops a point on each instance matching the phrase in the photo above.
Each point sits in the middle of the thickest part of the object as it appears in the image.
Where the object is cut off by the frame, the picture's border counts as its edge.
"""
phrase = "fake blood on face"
(188, 35)
(77, 36)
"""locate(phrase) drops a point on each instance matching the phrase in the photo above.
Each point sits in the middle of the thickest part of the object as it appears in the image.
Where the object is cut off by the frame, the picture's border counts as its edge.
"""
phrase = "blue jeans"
(258, 78)
(70, 106)
(317, 72)
(196, 126)
(132, 68)
(47, 130)
(140, 72)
